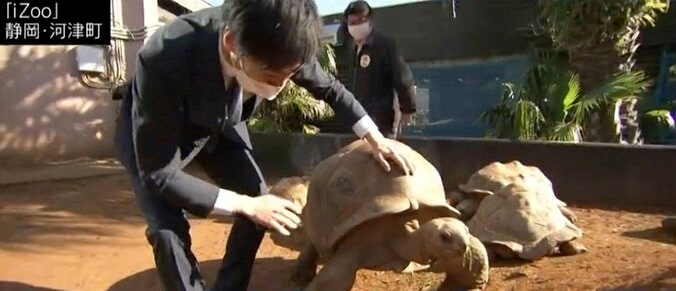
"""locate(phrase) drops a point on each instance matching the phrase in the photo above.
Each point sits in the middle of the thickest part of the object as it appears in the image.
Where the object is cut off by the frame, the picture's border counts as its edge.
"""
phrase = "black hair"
(277, 33)
(358, 7)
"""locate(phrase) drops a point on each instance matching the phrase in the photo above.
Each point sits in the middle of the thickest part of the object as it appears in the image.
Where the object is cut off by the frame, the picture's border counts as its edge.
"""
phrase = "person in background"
(380, 78)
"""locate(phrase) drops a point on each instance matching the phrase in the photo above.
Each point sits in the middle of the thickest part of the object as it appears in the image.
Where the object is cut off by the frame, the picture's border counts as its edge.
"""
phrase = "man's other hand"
(383, 152)
(405, 119)
(271, 211)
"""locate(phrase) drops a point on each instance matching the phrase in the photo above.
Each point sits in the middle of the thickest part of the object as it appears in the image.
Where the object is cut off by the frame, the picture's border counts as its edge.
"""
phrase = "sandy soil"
(86, 234)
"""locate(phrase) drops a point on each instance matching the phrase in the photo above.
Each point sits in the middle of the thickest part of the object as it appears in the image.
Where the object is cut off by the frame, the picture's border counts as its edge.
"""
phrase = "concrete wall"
(628, 177)
(46, 113)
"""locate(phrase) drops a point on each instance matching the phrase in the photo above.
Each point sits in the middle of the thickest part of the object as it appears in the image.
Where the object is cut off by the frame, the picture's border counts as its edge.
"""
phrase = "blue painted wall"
(459, 92)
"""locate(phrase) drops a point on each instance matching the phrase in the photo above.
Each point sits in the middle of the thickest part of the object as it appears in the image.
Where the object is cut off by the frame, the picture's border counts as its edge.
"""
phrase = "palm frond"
(527, 119)
(499, 117)
(623, 86)
(566, 132)
(310, 129)
(563, 90)
(661, 118)
(655, 124)
(572, 92)
(327, 58)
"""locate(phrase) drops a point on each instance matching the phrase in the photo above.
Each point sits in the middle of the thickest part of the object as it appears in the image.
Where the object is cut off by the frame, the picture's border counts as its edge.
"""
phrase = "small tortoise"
(359, 216)
(494, 177)
(523, 220)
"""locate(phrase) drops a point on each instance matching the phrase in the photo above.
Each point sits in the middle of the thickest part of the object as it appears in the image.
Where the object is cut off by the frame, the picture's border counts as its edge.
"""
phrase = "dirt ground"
(86, 234)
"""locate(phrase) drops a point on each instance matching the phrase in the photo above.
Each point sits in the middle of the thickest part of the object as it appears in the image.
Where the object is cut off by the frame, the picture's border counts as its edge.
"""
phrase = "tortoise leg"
(455, 197)
(467, 208)
(572, 247)
(338, 274)
(306, 266)
(568, 214)
(498, 251)
(492, 256)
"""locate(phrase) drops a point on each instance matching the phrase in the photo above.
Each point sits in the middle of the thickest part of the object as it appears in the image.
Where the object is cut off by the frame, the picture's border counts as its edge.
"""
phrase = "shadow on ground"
(664, 281)
(268, 274)
(18, 286)
(657, 234)
(33, 212)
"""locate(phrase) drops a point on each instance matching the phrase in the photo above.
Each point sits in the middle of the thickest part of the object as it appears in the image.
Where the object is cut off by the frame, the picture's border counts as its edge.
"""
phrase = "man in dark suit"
(197, 80)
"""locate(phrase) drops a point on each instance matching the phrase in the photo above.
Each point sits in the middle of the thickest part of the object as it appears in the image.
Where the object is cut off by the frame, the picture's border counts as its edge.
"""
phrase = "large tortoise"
(523, 220)
(359, 216)
(495, 176)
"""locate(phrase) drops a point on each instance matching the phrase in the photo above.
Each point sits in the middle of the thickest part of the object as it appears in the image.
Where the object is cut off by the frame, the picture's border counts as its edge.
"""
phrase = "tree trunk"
(629, 115)
(615, 122)
(596, 66)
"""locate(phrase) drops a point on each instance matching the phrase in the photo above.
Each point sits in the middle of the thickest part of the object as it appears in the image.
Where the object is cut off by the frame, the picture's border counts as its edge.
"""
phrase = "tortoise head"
(292, 188)
(445, 237)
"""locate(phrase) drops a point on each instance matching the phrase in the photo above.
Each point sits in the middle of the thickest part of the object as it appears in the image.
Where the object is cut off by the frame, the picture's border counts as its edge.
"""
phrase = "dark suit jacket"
(374, 74)
(179, 100)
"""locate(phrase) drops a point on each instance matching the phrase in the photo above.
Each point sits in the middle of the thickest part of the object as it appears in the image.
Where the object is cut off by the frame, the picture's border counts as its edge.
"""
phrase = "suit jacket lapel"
(234, 96)
(219, 105)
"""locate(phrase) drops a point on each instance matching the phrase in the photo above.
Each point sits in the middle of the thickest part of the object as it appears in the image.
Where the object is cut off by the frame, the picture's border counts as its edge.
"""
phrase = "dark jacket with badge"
(177, 101)
(375, 74)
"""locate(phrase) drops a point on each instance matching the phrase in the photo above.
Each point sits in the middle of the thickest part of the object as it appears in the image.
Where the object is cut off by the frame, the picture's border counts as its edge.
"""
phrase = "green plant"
(655, 125)
(578, 24)
(601, 38)
(549, 105)
(294, 107)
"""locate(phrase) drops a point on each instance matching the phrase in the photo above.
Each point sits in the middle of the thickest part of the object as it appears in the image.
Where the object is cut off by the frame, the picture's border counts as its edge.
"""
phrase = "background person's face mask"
(360, 31)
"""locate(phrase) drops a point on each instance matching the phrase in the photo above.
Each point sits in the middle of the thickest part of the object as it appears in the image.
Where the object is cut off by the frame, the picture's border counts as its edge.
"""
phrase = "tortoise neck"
(412, 247)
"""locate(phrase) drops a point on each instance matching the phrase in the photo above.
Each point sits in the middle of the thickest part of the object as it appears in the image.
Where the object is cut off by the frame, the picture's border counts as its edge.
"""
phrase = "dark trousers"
(232, 167)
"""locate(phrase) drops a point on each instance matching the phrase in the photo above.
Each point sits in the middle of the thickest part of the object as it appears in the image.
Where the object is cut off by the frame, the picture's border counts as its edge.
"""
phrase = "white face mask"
(359, 32)
(261, 89)
(248, 84)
